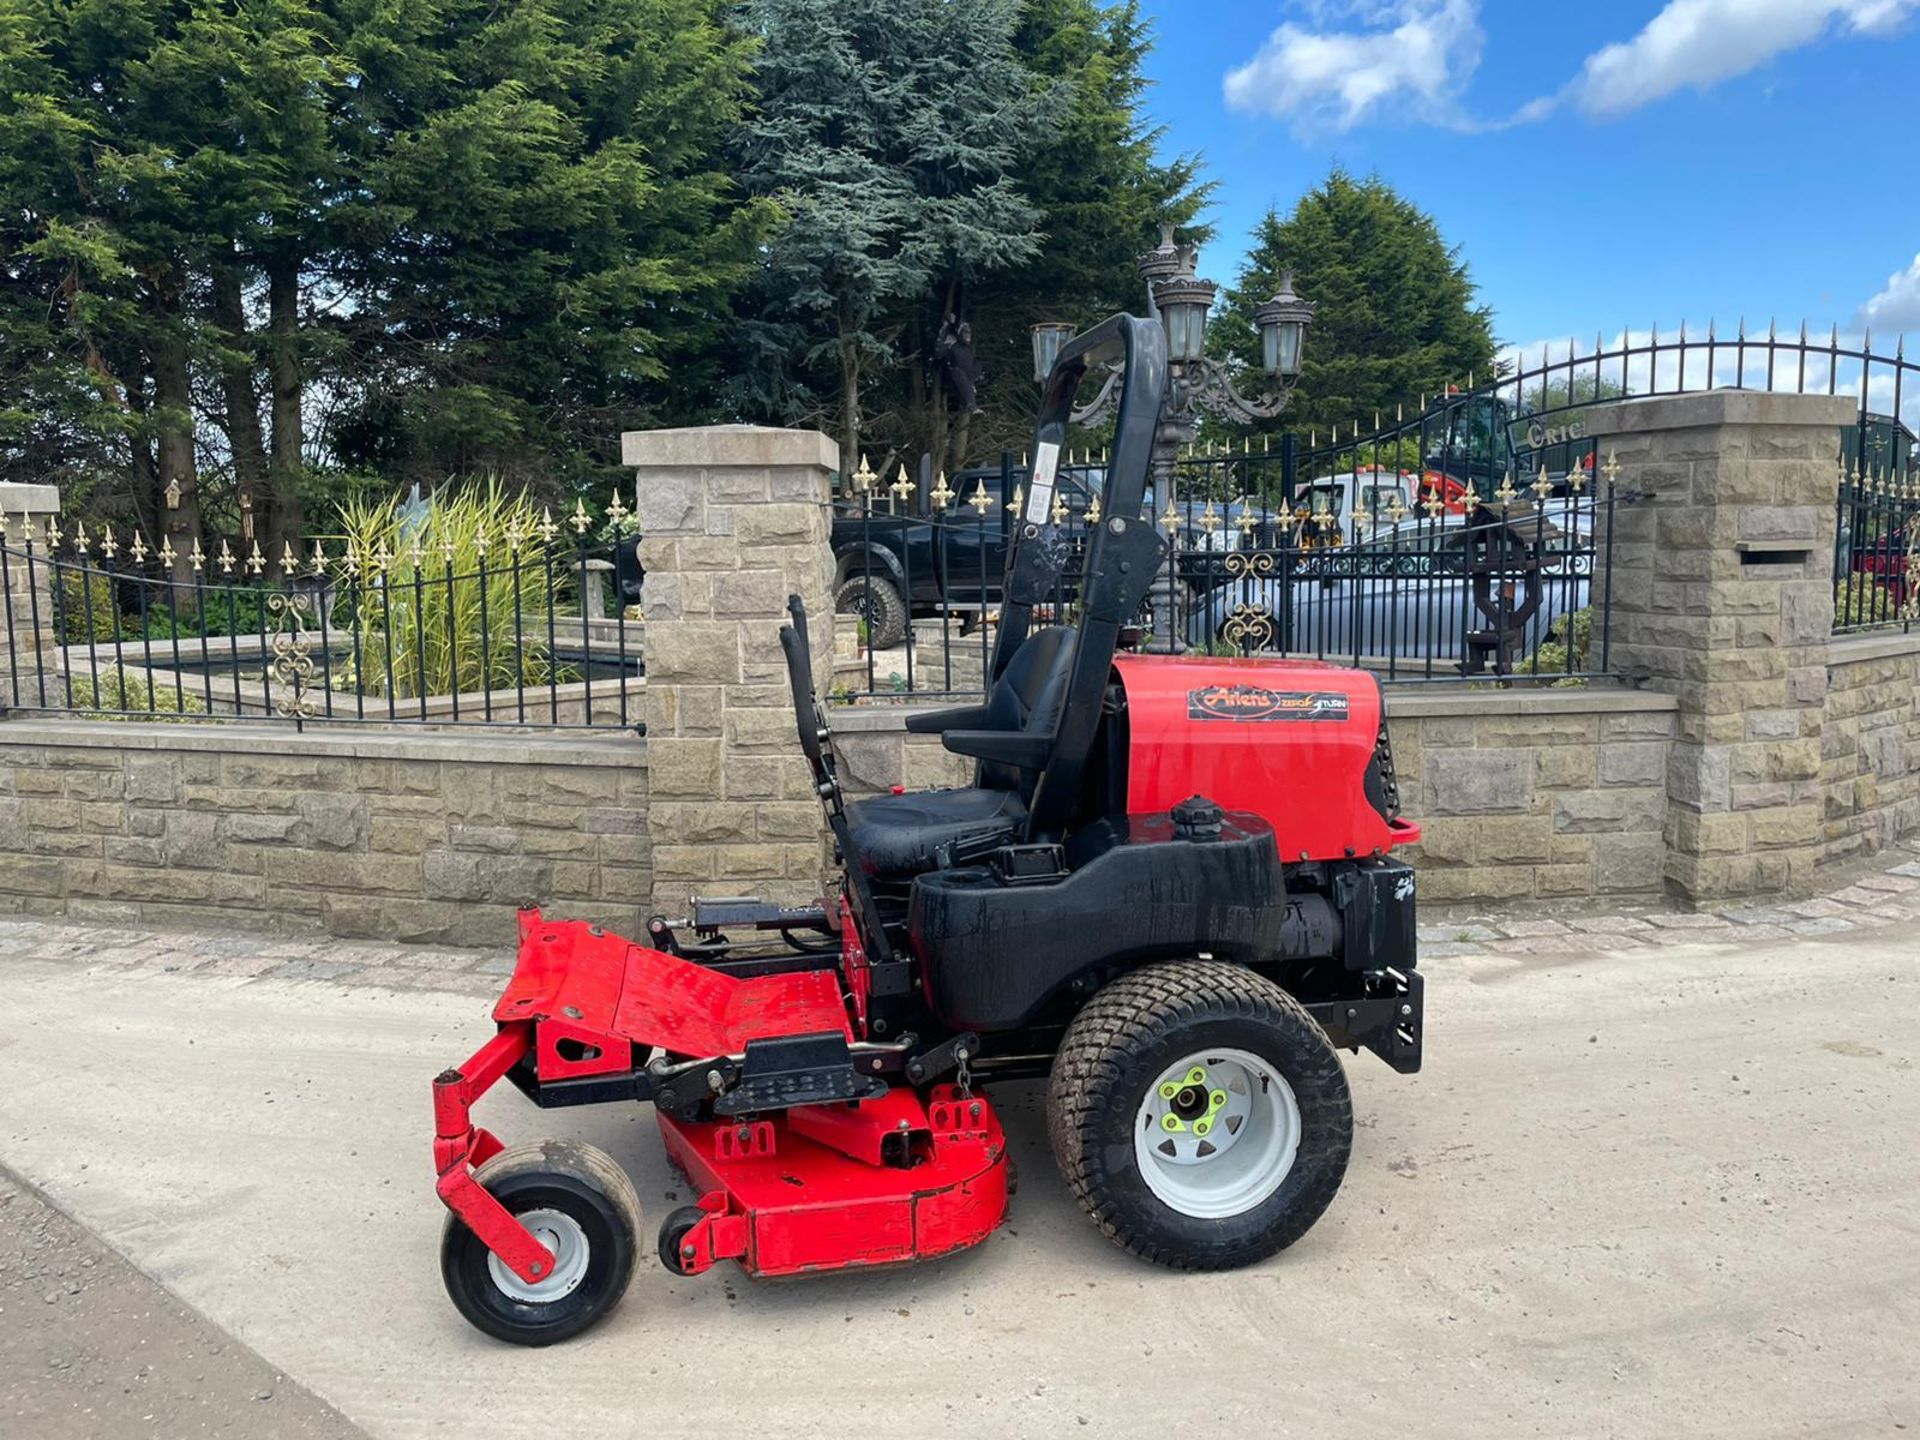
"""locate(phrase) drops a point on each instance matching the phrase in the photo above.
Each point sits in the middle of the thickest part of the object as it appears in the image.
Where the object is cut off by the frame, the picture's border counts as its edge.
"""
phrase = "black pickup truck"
(890, 566)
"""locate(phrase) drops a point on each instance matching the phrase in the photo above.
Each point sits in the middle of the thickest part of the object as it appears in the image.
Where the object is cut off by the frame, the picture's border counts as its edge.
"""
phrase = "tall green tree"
(545, 235)
(1397, 312)
(890, 131)
(1102, 190)
(417, 237)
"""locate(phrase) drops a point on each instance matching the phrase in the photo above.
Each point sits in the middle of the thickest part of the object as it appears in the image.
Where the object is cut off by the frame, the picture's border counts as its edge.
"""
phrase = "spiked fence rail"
(1334, 508)
(513, 630)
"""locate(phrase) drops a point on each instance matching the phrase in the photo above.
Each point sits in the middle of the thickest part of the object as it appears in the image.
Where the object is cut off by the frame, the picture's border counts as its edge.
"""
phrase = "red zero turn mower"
(1169, 889)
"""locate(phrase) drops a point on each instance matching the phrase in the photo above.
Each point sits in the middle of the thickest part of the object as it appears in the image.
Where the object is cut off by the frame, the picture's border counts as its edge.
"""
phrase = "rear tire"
(1199, 1115)
(878, 601)
(582, 1207)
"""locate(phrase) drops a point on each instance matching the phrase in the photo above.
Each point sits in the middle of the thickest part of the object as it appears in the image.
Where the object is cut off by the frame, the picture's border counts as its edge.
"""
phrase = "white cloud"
(1698, 43)
(1344, 63)
(1409, 59)
(1897, 307)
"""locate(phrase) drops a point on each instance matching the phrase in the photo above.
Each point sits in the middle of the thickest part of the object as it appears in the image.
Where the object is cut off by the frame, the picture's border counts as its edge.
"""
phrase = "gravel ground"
(90, 1347)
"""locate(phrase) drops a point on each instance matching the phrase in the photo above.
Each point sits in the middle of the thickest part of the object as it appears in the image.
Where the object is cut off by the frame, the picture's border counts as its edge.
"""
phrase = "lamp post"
(1196, 383)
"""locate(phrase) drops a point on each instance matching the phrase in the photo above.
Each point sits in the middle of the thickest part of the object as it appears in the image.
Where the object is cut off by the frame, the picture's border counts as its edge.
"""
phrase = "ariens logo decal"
(1253, 702)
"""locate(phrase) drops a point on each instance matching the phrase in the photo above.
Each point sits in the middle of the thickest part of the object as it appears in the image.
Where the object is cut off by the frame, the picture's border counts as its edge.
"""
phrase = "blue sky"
(1613, 164)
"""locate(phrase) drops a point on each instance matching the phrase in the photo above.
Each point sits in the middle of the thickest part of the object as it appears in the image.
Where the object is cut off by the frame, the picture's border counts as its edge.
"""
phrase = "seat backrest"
(1027, 698)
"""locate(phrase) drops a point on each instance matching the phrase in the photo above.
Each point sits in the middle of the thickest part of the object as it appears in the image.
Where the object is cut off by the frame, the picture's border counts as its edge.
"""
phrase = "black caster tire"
(673, 1230)
(1200, 1115)
(878, 601)
(583, 1208)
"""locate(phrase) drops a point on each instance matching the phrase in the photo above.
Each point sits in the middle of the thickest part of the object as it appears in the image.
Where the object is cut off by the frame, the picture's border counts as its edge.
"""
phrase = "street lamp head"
(1283, 322)
(1166, 260)
(1183, 303)
(1048, 337)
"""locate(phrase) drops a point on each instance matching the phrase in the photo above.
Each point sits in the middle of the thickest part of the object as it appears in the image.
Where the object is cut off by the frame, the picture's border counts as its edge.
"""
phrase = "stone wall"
(427, 837)
(1869, 782)
(1544, 795)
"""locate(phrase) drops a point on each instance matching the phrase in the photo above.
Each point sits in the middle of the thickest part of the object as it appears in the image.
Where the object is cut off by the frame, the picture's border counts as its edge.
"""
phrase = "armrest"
(1004, 747)
(938, 722)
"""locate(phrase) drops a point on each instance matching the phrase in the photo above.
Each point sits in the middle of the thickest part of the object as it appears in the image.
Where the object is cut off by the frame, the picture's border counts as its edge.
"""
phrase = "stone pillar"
(734, 518)
(1723, 596)
(30, 643)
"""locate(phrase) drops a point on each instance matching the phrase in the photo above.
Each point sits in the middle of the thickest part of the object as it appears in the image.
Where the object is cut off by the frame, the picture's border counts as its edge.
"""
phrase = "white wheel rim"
(561, 1234)
(1216, 1134)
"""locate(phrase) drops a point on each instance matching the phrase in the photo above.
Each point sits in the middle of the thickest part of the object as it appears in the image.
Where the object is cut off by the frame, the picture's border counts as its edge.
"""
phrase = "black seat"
(895, 837)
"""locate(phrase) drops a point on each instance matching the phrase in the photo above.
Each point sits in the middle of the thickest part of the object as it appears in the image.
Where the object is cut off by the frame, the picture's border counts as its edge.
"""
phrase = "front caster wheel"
(673, 1234)
(1200, 1115)
(581, 1206)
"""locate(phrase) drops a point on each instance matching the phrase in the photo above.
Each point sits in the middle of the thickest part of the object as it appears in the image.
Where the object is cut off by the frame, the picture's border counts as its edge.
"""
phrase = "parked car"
(1411, 591)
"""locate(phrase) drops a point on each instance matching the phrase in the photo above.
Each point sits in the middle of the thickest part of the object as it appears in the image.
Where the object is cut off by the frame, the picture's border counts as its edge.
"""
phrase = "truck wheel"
(582, 1207)
(878, 601)
(1200, 1115)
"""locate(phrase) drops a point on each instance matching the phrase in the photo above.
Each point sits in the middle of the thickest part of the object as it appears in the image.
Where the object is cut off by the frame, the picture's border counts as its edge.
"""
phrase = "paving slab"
(1666, 1193)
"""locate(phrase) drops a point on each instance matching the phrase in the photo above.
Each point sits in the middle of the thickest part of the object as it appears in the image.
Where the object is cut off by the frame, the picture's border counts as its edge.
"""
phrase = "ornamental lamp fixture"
(1183, 302)
(1283, 322)
(1048, 337)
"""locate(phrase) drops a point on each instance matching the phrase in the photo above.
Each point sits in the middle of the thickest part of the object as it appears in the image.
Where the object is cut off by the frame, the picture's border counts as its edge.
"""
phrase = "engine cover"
(1298, 742)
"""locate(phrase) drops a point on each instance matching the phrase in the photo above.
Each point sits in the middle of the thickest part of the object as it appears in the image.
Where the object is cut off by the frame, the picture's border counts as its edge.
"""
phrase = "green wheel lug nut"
(1168, 1091)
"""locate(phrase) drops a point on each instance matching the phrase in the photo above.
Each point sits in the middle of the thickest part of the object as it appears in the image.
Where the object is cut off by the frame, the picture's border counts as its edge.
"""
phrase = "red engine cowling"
(1297, 742)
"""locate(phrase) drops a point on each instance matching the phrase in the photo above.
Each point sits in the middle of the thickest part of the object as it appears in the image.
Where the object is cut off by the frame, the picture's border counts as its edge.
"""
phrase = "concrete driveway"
(1671, 1192)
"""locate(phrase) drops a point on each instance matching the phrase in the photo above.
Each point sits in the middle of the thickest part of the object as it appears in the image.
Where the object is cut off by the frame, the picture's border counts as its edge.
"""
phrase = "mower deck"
(880, 1182)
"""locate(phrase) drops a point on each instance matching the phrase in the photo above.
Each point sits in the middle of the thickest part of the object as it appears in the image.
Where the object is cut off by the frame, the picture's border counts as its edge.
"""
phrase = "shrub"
(86, 607)
(1553, 658)
(421, 623)
(115, 689)
(1862, 600)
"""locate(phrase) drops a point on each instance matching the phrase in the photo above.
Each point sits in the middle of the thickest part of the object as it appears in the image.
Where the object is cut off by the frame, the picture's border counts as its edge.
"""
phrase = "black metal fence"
(1421, 582)
(526, 624)
(1876, 551)
(1466, 534)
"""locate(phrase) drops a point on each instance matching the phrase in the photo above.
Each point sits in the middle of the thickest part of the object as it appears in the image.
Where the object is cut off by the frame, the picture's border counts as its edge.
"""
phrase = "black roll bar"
(1038, 553)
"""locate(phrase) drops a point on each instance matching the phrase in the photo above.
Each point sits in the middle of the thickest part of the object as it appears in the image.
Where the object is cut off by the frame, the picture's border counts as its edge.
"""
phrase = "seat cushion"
(895, 836)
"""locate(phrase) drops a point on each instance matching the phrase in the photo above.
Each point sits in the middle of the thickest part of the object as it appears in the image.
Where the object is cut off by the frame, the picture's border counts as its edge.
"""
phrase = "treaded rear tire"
(1115, 1048)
